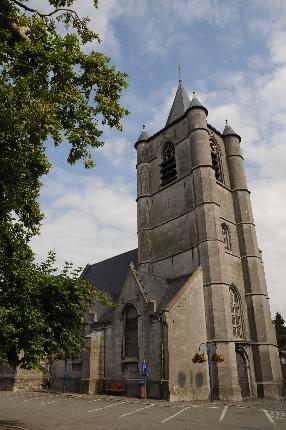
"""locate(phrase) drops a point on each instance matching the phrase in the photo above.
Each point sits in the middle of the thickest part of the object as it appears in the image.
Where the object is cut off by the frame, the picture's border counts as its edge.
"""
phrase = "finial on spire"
(227, 129)
(143, 136)
(179, 71)
(194, 94)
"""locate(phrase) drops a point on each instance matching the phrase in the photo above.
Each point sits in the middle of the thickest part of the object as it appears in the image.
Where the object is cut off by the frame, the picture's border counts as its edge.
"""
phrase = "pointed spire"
(143, 136)
(227, 129)
(180, 104)
(195, 102)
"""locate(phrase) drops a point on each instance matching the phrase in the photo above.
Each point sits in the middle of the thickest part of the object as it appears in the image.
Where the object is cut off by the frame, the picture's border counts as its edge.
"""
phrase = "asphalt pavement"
(48, 411)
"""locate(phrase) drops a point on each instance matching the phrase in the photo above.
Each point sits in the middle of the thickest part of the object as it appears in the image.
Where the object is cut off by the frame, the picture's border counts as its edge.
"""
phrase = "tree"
(49, 87)
(41, 311)
(280, 330)
(51, 90)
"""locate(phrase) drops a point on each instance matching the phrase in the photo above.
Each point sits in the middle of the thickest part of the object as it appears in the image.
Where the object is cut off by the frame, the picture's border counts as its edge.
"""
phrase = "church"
(196, 281)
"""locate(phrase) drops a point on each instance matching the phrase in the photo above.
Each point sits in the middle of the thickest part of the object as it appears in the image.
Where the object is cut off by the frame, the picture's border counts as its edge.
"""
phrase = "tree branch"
(29, 9)
(20, 33)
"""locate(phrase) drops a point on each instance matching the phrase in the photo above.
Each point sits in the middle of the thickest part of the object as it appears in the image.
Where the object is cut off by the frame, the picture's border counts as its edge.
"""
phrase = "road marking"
(137, 410)
(223, 413)
(198, 406)
(108, 406)
(269, 417)
(173, 416)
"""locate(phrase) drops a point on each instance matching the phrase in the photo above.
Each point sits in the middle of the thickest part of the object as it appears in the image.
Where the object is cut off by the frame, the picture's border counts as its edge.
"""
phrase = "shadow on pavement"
(4, 424)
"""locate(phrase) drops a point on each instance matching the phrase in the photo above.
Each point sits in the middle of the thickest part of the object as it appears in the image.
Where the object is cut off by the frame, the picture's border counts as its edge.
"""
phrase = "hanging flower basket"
(199, 358)
(218, 358)
(59, 356)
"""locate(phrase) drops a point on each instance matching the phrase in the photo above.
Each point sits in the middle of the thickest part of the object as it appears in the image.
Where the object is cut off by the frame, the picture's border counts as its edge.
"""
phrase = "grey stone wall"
(185, 316)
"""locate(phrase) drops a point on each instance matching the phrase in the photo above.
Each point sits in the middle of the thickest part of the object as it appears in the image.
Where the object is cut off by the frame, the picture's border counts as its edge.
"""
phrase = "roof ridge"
(115, 256)
(139, 283)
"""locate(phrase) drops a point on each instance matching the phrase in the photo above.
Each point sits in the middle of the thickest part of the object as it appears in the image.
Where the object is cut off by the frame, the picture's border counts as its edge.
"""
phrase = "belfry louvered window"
(131, 332)
(236, 316)
(168, 165)
(216, 161)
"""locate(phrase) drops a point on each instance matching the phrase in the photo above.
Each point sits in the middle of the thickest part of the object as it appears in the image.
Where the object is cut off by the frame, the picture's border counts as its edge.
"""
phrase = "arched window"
(236, 316)
(226, 236)
(131, 332)
(216, 161)
(168, 166)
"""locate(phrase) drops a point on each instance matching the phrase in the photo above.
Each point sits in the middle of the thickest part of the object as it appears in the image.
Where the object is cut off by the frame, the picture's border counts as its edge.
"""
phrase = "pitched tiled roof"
(162, 290)
(108, 275)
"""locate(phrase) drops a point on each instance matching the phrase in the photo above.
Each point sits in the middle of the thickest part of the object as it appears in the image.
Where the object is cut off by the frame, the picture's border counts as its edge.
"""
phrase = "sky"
(233, 54)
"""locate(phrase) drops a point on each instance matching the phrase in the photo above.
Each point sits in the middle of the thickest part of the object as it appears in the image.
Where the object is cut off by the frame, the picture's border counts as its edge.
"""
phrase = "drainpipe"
(164, 376)
(65, 373)
(104, 356)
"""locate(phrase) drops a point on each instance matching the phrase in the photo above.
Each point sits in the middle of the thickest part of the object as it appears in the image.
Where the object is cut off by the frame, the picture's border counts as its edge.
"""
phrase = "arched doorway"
(242, 374)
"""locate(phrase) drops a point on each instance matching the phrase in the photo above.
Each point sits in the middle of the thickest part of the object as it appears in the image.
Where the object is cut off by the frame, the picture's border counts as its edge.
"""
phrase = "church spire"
(227, 129)
(196, 104)
(180, 104)
(143, 136)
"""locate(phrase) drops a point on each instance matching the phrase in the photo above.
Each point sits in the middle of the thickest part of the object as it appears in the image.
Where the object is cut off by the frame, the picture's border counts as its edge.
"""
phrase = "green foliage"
(51, 90)
(280, 331)
(41, 311)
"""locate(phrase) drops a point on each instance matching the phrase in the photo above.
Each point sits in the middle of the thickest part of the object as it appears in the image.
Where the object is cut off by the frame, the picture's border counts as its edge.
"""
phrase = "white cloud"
(114, 150)
(88, 219)
(269, 207)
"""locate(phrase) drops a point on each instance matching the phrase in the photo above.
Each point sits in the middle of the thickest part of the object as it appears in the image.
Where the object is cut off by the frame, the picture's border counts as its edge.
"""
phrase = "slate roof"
(195, 102)
(180, 104)
(174, 286)
(162, 290)
(143, 136)
(108, 275)
(228, 130)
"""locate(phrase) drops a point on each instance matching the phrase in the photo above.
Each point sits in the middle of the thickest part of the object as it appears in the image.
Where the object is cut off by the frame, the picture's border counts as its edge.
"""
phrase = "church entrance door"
(242, 374)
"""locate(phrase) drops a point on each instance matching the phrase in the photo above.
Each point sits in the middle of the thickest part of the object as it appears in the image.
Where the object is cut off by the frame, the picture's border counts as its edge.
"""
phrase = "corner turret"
(234, 158)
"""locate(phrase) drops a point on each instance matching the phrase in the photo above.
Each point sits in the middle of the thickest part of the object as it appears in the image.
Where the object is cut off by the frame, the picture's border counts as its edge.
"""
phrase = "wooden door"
(242, 374)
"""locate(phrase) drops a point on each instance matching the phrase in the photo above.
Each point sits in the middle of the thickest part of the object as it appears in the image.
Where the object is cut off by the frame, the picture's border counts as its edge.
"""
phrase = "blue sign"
(145, 368)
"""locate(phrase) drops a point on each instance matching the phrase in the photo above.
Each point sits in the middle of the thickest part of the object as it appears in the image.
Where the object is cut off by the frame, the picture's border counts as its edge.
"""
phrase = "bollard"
(141, 389)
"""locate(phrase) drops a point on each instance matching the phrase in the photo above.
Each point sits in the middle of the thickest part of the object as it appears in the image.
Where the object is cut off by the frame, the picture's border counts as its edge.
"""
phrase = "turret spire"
(143, 136)
(195, 103)
(227, 129)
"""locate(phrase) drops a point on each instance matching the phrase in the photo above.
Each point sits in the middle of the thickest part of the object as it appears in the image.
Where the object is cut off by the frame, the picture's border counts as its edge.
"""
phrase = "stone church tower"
(196, 279)
(194, 211)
